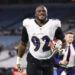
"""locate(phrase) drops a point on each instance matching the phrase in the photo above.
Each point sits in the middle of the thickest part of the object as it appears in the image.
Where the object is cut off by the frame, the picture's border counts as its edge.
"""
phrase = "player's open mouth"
(42, 15)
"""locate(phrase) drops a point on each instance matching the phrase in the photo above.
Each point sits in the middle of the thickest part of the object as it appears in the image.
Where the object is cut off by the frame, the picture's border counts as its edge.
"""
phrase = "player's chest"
(37, 30)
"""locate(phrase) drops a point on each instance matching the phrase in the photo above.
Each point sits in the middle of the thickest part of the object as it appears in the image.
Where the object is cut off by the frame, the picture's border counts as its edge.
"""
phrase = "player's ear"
(47, 15)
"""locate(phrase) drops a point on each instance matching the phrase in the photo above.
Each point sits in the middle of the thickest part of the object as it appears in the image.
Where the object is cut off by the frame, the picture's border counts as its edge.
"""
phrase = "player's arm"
(22, 47)
(59, 34)
(23, 42)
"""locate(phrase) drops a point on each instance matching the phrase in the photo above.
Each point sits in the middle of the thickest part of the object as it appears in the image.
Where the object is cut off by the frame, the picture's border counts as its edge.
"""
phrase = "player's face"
(69, 38)
(41, 13)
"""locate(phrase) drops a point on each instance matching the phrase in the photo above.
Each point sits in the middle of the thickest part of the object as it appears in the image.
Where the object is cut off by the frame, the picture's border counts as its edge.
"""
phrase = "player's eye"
(43, 11)
(39, 11)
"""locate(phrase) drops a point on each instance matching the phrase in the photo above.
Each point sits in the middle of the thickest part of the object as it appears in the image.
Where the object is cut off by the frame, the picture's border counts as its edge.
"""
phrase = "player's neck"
(41, 23)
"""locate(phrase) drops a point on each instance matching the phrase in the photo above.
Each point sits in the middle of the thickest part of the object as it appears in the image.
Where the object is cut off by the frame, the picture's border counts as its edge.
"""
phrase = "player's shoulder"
(56, 22)
(27, 21)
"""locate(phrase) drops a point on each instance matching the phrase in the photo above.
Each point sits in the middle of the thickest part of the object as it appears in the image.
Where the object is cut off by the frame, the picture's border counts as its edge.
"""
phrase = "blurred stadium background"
(12, 13)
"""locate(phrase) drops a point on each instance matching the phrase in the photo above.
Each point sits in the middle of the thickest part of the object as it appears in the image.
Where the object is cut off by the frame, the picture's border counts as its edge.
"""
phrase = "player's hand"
(55, 51)
(20, 69)
(63, 62)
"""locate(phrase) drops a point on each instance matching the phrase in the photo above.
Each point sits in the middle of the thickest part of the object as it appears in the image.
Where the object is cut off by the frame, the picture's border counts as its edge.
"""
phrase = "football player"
(39, 32)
